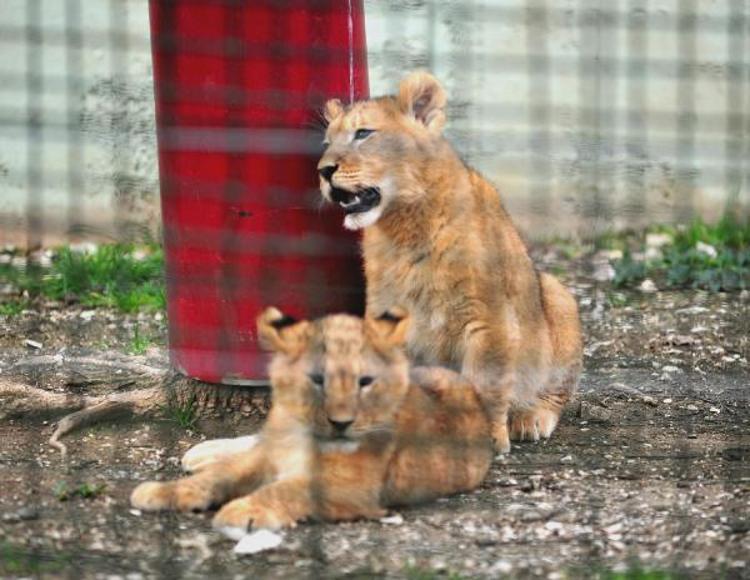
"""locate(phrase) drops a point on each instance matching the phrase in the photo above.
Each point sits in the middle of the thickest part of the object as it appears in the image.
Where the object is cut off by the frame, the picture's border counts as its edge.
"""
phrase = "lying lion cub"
(438, 242)
(350, 432)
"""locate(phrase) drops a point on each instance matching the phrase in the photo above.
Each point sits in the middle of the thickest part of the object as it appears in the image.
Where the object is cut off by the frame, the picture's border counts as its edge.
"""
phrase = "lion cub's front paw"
(238, 515)
(153, 496)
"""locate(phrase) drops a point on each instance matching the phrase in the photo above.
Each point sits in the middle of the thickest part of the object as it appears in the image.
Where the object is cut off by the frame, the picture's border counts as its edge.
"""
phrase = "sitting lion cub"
(438, 242)
(350, 432)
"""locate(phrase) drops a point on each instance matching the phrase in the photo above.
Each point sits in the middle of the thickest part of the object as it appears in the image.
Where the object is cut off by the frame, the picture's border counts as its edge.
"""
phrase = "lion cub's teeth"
(354, 201)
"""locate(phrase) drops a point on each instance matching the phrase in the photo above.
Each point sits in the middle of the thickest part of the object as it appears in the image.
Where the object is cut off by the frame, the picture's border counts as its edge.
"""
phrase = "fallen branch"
(19, 400)
(162, 389)
(139, 401)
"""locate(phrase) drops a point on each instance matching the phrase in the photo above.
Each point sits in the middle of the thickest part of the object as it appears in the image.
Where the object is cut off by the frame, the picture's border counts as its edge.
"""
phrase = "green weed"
(185, 413)
(63, 492)
(617, 299)
(140, 343)
(13, 307)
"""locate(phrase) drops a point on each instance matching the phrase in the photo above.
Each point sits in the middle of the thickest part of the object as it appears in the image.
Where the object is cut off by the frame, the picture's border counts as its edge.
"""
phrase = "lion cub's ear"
(281, 333)
(388, 330)
(332, 109)
(421, 96)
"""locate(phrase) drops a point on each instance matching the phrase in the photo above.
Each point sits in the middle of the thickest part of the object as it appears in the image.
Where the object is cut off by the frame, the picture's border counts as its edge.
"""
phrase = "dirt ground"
(649, 470)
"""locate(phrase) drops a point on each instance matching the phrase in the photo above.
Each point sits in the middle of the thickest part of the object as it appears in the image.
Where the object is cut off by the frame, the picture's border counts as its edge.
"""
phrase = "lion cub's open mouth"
(356, 201)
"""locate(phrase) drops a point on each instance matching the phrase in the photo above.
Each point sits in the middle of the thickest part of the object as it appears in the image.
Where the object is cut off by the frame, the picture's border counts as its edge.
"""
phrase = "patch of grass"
(421, 573)
(120, 276)
(701, 256)
(184, 413)
(637, 573)
(20, 561)
(628, 271)
(63, 492)
(611, 240)
(634, 571)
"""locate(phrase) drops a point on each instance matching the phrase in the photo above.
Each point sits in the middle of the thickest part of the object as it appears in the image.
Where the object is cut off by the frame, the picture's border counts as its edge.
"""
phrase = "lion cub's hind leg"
(213, 450)
(561, 312)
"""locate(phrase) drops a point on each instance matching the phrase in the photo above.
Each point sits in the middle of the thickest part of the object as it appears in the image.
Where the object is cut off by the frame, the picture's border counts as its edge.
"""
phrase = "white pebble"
(258, 541)
(394, 520)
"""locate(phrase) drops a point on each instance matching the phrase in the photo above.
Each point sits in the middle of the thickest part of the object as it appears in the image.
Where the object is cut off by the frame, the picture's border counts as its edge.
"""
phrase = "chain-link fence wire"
(588, 115)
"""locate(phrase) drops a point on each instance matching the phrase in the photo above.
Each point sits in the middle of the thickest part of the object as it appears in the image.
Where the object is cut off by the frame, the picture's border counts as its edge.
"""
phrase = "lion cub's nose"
(328, 171)
(340, 426)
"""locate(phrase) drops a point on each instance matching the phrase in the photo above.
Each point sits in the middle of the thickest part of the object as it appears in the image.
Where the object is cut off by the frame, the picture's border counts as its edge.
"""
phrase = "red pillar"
(239, 88)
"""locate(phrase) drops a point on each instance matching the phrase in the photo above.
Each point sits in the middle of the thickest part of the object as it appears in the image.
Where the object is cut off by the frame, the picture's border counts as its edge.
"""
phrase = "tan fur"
(411, 436)
(441, 245)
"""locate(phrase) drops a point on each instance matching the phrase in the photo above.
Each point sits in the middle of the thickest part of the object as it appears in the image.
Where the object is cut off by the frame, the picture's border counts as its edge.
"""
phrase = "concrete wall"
(587, 114)
(77, 140)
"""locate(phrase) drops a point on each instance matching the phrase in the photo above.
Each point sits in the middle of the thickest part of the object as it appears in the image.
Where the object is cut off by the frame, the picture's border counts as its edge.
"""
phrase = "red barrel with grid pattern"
(239, 89)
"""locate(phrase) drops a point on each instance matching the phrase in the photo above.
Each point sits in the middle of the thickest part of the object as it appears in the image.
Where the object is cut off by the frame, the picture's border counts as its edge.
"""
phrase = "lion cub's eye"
(360, 134)
(365, 381)
(317, 379)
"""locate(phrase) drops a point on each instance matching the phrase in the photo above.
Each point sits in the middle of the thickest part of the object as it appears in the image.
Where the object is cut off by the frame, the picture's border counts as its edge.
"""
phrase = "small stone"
(507, 482)
(604, 272)
(501, 567)
(394, 520)
(28, 513)
(658, 240)
(83, 248)
(594, 413)
(33, 344)
(648, 286)
(739, 526)
(23, 514)
(706, 249)
(653, 254)
(715, 410)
